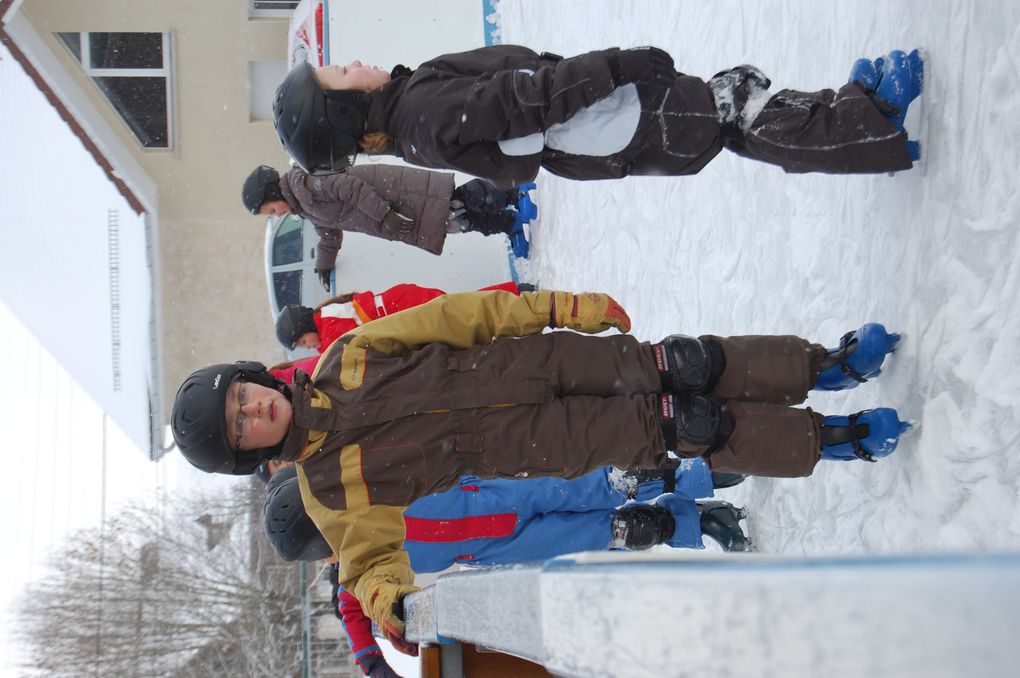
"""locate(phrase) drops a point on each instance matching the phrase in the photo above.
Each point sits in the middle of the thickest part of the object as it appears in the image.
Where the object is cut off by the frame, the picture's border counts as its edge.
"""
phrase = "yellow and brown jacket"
(402, 406)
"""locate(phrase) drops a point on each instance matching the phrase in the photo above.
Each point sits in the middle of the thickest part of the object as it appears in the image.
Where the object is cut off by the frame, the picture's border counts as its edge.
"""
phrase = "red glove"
(396, 638)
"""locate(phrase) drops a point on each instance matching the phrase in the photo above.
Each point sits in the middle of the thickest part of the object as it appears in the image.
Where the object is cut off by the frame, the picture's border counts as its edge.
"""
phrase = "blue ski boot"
(895, 80)
(867, 73)
(527, 211)
(525, 206)
(901, 82)
(865, 435)
(859, 357)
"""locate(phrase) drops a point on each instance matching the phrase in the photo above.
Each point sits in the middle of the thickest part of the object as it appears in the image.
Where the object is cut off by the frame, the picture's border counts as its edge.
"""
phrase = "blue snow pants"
(498, 522)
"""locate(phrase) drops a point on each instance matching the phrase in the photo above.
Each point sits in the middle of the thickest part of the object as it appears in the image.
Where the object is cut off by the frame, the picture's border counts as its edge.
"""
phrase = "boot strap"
(844, 366)
(884, 107)
(668, 470)
(855, 440)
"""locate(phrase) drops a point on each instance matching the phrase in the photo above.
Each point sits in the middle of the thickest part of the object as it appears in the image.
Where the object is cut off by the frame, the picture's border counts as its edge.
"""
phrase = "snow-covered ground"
(743, 248)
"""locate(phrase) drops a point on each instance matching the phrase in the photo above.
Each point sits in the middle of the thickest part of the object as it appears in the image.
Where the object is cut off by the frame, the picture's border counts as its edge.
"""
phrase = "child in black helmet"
(501, 112)
(408, 205)
(469, 384)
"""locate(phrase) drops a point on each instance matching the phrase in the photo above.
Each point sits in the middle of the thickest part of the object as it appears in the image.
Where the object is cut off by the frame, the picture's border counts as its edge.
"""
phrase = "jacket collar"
(306, 417)
(292, 186)
(383, 101)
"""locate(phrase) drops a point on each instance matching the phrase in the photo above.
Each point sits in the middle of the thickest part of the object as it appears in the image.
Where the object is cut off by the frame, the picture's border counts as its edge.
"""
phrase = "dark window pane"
(126, 50)
(276, 4)
(142, 104)
(287, 286)
(73, 42)
(287, 243)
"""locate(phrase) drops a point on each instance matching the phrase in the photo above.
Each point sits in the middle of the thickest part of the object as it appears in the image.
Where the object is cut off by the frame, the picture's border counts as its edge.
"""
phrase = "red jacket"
(335, 320)
(305, 365)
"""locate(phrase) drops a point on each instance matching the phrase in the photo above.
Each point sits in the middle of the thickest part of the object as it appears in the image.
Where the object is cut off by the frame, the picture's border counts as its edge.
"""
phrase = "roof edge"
(65, 114)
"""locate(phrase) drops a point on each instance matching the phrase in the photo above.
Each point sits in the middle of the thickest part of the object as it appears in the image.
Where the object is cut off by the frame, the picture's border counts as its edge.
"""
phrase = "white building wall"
(385, 33)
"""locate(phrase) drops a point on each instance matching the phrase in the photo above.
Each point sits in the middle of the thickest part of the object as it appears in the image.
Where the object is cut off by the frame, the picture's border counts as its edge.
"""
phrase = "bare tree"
(183, 588)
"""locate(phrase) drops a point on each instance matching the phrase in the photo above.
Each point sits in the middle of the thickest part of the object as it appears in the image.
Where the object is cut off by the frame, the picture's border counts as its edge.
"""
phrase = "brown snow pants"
(604, 409)
(764, 375)
(839, 132)
(832, 132)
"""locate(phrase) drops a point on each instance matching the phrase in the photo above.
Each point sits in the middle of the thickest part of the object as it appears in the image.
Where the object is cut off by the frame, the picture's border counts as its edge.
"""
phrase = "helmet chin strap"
(246, 461)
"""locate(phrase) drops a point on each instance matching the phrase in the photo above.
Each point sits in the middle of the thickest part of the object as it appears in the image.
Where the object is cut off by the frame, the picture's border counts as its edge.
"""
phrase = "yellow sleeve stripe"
(351, 477)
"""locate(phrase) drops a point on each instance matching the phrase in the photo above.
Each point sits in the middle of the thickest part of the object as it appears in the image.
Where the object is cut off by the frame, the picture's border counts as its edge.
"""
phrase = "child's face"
(355, 75)
(308, 340)
(274, 208)
(256, 416)
(277, 465)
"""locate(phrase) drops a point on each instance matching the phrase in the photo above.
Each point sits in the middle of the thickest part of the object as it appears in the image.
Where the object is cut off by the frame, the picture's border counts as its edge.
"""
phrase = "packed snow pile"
(743, 248)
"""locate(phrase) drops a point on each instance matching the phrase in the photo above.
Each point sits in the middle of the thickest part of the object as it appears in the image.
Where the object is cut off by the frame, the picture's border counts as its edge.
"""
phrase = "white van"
(290, 264)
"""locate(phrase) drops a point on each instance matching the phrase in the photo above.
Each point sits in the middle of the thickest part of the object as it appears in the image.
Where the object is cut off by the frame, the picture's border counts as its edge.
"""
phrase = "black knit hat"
(261, 186)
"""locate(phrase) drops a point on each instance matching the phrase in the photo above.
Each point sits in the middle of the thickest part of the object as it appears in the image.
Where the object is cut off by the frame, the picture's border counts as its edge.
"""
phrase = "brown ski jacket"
(402, 406)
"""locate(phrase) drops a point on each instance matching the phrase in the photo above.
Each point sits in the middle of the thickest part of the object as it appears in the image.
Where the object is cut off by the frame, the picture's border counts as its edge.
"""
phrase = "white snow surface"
(743, 248)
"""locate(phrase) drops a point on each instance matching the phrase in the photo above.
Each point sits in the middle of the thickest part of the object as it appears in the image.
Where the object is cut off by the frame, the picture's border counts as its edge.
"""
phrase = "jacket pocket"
(394, 476)
(469, 443)
(462, 361)
(323, 473)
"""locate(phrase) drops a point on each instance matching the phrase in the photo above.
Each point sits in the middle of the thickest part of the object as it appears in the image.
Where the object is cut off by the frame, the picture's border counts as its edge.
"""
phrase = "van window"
(287, 286)
(287, 244)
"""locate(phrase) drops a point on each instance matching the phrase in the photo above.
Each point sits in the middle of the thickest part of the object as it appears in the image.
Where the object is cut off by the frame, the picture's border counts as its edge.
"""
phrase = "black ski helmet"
(320, 128)
(262, 472)
(199, 424)
(262, 185)
(294, 320)
(291, 532)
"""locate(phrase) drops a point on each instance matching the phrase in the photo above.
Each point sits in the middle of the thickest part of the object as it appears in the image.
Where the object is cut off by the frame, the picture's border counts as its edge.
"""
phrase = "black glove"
(375, 666)
(398, 608)
(642, 64)
(396, 222)
(324, 277)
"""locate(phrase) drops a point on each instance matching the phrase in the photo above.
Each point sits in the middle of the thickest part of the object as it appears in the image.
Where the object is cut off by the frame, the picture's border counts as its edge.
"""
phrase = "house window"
(133, 71)
(271, 8)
